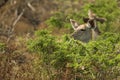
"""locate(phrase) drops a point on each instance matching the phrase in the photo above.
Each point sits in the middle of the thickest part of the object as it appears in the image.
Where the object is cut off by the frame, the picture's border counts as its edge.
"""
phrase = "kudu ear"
(74, 24)
(85, 19)
(91, 15)
(101, 20)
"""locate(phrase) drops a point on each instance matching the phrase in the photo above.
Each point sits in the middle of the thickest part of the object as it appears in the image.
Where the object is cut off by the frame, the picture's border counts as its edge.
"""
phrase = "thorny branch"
(13, 26)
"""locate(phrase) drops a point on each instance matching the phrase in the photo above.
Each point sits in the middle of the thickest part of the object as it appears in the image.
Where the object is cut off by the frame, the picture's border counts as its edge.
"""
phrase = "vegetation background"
(39, 46)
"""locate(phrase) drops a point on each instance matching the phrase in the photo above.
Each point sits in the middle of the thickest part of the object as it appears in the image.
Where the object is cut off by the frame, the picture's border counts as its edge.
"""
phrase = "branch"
(13, 26)
(31, 7)
(18, 18)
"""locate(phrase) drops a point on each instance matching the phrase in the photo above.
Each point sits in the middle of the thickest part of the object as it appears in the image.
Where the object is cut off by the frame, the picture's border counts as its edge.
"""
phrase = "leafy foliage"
(2, 47)
(65, 58)
(93, 60)
(108, 9)
(56, 20)
(43, 43)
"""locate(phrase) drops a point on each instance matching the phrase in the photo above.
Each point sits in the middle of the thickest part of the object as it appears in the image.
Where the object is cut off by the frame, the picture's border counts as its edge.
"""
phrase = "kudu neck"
(95, 30)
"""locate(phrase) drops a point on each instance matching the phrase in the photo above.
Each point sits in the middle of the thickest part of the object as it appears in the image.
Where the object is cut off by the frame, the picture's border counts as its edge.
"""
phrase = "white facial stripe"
(88, 25)
(74, 24)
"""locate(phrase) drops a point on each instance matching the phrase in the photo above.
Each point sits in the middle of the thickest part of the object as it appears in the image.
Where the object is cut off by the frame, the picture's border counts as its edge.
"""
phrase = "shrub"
(43, 43)
(56, 21)
(71, 58)
(2, 47)
(108, 9)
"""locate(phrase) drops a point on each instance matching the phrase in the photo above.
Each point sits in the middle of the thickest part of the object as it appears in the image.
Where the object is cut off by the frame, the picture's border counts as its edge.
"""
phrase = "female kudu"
(89, 30)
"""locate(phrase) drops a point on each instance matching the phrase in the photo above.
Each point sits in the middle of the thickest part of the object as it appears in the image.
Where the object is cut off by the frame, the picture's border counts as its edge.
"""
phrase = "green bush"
(56, 21)
(108, 9)
(68, 54)
(43, 43)
(2, 47)
(95, 60)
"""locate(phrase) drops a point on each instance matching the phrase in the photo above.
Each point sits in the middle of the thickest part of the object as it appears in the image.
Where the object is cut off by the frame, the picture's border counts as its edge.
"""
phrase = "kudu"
(89, 30)
(81, 27)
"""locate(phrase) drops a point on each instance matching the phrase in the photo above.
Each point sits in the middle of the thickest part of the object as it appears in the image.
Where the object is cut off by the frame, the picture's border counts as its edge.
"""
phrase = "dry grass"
(16, 63)
(16, 66)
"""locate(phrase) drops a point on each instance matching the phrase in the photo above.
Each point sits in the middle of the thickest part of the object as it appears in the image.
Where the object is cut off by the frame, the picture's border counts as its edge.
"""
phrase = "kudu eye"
(91, 22)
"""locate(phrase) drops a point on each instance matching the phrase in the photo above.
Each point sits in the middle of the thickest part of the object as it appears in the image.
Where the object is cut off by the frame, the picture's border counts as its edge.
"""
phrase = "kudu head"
(81, 32)
(81, 27)
(90, 27)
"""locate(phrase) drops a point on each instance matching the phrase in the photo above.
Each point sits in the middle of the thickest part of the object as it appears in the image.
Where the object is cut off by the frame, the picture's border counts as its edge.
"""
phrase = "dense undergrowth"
(47, 57)
(108, 9)
(63, 58)
(72, 59)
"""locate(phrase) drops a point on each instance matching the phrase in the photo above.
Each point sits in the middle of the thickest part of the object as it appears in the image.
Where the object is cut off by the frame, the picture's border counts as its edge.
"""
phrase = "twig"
(30, 6)
(13, 26)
